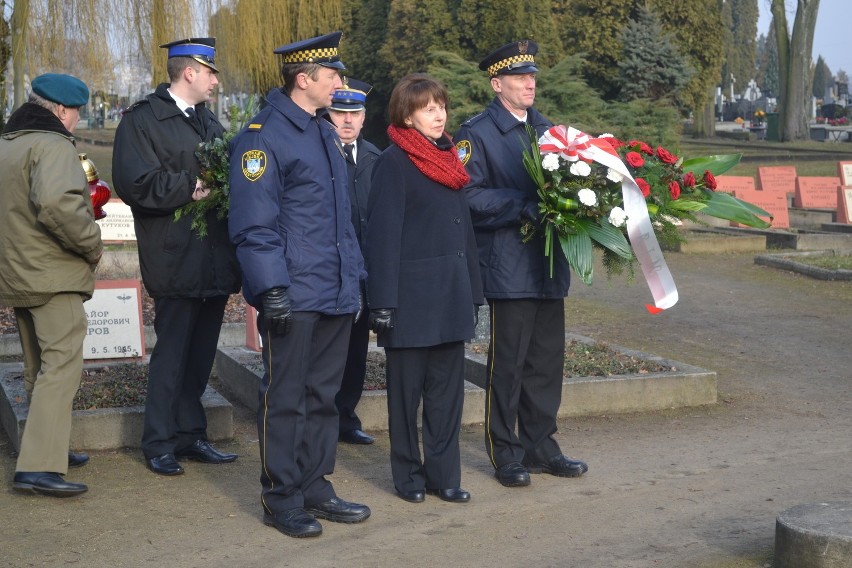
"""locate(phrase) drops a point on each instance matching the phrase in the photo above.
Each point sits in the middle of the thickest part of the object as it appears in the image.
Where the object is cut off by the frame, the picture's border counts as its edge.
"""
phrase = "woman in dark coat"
(423, 288)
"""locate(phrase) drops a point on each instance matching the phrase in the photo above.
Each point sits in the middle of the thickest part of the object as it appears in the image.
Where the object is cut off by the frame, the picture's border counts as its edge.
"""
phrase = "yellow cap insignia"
(254, 164)
(464, 151)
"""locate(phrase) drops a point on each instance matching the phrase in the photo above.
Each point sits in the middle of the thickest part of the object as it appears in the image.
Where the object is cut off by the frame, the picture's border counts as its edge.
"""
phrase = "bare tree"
(795, 73)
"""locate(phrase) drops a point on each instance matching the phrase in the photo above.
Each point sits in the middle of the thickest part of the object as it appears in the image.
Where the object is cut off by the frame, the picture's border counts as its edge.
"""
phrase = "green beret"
(63, 89)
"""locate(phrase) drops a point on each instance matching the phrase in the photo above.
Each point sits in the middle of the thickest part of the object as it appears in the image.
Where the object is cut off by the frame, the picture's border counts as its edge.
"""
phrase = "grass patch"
(828, 262)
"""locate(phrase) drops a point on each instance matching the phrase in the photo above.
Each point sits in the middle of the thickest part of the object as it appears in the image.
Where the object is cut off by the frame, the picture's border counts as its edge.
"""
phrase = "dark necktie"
(348, 148)
(195, 120)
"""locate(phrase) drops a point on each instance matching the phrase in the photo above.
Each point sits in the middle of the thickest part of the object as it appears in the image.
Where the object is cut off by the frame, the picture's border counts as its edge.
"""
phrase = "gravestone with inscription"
(844, 205)
(115, 321)
(780, 179)
(844, 172)
(117, 226)
(732, 184)
(773, 202)
(814, 192)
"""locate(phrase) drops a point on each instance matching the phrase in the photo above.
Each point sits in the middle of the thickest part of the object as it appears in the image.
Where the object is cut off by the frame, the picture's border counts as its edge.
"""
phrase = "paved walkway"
(695, 488)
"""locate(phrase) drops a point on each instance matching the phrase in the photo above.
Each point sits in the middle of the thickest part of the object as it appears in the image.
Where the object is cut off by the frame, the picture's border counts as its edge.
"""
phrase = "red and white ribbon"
(574, 145)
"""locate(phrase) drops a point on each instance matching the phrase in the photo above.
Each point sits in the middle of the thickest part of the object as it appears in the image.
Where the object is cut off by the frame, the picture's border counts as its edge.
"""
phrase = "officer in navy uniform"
(290, 221)
(155, 172)
(527, 348)
(347, 113)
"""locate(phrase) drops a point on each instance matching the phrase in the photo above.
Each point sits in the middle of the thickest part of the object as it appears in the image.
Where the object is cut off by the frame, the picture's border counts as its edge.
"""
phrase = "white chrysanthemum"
(617, 216)
(606, 135)
(587, 197)
(613, 175)
(550, 162)
(581, 169)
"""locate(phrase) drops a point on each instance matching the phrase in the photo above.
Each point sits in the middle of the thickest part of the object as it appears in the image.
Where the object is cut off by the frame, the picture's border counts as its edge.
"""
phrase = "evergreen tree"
(469, 88)
(414, 29)
(740, 54)
(822, 78)
(650, 66)
(728, 43)
(593, 28)
(767, 64)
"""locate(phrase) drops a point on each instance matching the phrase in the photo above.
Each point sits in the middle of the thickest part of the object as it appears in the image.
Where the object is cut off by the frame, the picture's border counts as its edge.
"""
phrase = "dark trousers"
(523, 383)
(187, 335)
(435, 375)
(353, 376)
(296, 417)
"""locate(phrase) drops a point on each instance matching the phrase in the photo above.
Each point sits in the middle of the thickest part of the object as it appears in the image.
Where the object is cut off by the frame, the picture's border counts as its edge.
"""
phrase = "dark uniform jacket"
(359, 185)
(421, 255)
(154, 170)
(491, 146)
(290, 217)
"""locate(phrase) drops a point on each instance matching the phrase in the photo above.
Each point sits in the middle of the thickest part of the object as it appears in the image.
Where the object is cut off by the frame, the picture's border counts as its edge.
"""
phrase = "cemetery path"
(688, 488)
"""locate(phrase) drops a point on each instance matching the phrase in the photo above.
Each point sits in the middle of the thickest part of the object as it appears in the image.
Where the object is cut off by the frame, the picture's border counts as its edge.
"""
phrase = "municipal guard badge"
(464, 151)
(254, 164)
(523, 46)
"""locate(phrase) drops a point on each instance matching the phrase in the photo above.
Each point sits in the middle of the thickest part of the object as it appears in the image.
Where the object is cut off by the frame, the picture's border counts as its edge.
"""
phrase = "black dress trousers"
(523, 382)
(437, 375)
(187, 336)
(296, 417)
(353, 375)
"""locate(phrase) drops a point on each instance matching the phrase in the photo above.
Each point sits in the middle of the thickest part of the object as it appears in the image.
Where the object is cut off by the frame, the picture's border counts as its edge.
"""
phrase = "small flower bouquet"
(618, 196)
(215, 169)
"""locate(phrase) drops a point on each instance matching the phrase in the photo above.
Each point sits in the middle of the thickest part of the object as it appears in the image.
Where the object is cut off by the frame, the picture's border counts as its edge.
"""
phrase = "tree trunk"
(794, 67)
(19, 42)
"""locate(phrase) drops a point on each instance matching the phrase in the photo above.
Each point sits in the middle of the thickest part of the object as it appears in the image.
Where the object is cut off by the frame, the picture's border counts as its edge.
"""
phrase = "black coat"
(421, 255)
(154, 169)
(491, 146)
(360, 175)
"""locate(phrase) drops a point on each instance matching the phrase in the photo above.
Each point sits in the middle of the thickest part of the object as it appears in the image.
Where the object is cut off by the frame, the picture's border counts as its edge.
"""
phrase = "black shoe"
(416, 496)
(512, 474)
(455, 495)
(297, 523)
(202, 451)
(560, 466)
(356, 436)
(339, 511)
(77, 460)
(165, 464)
(46, 483)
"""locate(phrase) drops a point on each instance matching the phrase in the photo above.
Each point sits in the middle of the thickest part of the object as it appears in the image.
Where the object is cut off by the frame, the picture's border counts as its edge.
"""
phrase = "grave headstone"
(774, 203)
(732, 184)
(115, 327)
(777, 178)
(844, 172)
(117, 226)
(814, 192)
(844, 205)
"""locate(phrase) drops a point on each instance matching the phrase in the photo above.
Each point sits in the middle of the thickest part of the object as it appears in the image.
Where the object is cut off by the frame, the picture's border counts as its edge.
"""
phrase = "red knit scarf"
(441, 165)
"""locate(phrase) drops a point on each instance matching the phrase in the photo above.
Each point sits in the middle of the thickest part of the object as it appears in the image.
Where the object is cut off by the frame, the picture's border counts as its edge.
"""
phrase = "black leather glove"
(531, 212)
(360, 311)
(381, 319)
(276, 311)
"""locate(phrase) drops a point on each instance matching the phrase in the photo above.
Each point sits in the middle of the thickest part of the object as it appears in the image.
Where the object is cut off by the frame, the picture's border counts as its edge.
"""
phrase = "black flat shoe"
(202, 451)
(454, 495)
(297, 523)
(512, 474)
(46, 483)
(560, 466)
(356, 437)
(416, 496)
(165, 464)
(339, 511)
(77, 460)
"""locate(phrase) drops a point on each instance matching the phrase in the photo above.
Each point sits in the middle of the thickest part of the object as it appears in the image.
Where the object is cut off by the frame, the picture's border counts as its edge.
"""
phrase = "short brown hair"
(412, 93)
(176, 65)
(289, 72)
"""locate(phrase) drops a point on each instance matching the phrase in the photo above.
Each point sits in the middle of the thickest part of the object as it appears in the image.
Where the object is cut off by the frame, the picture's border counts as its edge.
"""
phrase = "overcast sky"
(833, 34)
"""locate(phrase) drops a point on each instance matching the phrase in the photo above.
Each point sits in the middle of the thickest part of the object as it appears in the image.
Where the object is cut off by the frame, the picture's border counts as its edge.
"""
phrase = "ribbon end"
(653, 310)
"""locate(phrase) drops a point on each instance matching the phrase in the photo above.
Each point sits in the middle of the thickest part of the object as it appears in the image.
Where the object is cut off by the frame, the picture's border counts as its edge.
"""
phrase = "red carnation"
(689, 179)
(709, 180)
(674, 189)
(643, 185)
(614, 142)
(643, 147)
(635, 159)
(665, 156)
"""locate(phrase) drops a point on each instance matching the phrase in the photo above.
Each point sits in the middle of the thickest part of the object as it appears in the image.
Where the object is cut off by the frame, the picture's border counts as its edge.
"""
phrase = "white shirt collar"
(182, 104)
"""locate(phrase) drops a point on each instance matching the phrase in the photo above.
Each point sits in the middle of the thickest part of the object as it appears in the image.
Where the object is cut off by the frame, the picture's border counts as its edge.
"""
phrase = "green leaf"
(726, 206)
(577, 248)
(611, 238)
(686, 205)
(717, 165)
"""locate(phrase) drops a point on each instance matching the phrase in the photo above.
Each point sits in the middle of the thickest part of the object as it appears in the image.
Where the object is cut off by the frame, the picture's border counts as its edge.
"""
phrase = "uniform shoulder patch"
(254, 164)
(464, 150)
(255, 126)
